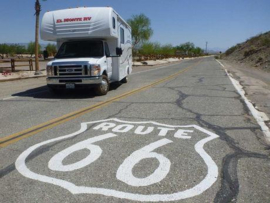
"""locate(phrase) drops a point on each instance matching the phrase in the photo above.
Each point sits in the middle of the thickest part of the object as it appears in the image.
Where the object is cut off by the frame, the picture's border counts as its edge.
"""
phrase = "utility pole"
(38, 9)
(206, 47)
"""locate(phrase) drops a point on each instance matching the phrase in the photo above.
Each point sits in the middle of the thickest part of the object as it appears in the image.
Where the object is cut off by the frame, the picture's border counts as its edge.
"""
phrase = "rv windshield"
(80, 49)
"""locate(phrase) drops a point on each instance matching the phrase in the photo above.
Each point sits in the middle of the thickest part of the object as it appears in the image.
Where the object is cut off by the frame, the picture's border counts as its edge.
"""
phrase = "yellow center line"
(10, 139)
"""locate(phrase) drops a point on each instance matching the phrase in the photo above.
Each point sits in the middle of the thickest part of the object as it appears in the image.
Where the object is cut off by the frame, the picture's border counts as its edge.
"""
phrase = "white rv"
(94, 48)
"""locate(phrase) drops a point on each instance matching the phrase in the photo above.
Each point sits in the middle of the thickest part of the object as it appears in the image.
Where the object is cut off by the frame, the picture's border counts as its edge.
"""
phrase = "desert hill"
(253, 52)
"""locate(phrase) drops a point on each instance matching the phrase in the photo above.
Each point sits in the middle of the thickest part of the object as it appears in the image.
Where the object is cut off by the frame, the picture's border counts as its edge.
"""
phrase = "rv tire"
(103, 88)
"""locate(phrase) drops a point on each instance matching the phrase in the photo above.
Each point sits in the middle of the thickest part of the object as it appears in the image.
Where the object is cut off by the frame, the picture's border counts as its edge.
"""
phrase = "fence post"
(12, 61)
(31, 64)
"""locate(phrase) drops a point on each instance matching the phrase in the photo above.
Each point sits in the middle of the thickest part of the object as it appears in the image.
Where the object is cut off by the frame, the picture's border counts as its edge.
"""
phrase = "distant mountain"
(216, 50)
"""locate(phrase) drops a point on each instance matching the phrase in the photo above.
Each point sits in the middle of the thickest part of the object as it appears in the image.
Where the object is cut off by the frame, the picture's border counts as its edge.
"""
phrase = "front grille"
(70, 81)
(85, 70)
(70, 70)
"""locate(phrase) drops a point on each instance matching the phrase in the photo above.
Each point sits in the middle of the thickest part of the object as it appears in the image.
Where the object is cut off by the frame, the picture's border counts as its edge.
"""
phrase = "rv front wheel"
(103, 88)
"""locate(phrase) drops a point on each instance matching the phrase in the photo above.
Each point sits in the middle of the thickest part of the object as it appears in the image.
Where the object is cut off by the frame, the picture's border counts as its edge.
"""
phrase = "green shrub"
(260, 59)
(255, 38)
(52, 50)
(231, 50)
(265, 41)
(249, 52)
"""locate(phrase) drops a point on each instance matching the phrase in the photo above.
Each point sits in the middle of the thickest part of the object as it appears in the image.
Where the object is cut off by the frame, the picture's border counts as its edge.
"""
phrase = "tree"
(4, 49)
(185, 48)
(150, 48)
(20, 49)
(157, 48)
(31, 49)
(147, 48)
(197, 51)
(167, 50)
(51, 48)
(12, 49)
(141, 30)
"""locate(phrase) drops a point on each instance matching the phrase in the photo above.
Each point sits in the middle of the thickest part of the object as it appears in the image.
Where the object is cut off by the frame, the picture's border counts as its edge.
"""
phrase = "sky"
(221, 23)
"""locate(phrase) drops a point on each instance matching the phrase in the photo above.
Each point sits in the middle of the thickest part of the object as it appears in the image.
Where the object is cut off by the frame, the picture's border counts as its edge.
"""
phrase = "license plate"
(70, 86)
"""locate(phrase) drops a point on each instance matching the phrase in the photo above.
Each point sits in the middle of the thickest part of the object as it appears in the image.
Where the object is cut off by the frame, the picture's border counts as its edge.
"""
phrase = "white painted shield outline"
(206, 183)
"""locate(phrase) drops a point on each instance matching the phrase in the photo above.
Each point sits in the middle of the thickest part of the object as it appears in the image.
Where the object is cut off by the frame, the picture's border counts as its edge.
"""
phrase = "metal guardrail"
(13, 64)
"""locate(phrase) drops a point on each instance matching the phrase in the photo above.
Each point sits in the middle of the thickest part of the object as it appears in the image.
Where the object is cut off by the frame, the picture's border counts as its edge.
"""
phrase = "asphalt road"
(178, 133)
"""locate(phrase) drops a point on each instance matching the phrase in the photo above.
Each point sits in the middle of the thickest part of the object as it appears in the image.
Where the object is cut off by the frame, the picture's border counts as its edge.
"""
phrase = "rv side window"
(122, 35)
(113, 22)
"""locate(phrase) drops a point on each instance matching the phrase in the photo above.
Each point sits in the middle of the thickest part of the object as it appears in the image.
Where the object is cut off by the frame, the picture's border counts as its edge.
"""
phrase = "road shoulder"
(256, 85)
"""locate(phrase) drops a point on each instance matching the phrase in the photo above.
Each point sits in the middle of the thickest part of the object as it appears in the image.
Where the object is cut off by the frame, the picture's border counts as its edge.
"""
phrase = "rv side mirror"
(119, 51)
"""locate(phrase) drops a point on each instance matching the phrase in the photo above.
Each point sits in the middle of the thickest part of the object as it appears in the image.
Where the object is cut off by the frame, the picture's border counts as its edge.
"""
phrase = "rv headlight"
(95, 70)
(49, 70)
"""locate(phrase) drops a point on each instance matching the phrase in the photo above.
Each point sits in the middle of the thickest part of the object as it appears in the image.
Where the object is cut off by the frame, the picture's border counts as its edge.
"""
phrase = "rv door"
(109, 60)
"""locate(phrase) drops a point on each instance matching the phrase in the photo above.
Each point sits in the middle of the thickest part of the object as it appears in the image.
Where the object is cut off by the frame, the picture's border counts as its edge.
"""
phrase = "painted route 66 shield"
(141, 161)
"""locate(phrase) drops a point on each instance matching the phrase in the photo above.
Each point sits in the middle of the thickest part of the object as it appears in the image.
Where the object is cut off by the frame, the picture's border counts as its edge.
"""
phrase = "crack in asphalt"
(201, 79)
(229, 184)
(220, 86)
(120, 111)
(229, 188)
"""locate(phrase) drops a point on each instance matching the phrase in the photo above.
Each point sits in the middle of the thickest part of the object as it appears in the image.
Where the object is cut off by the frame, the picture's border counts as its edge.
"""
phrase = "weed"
(260, 59)
(265, 41)
(254, 39)
(249, 52)
(231, 50)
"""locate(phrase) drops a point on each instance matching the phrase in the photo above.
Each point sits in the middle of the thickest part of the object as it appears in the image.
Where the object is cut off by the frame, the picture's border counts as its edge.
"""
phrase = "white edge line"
(260, 117)
(220, 63)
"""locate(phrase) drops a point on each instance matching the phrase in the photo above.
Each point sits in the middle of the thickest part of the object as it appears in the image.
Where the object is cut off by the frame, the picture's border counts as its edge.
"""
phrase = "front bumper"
(74, 80)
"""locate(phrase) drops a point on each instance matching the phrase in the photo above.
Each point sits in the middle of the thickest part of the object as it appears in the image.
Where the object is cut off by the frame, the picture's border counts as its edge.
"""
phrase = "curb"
(158, 64)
